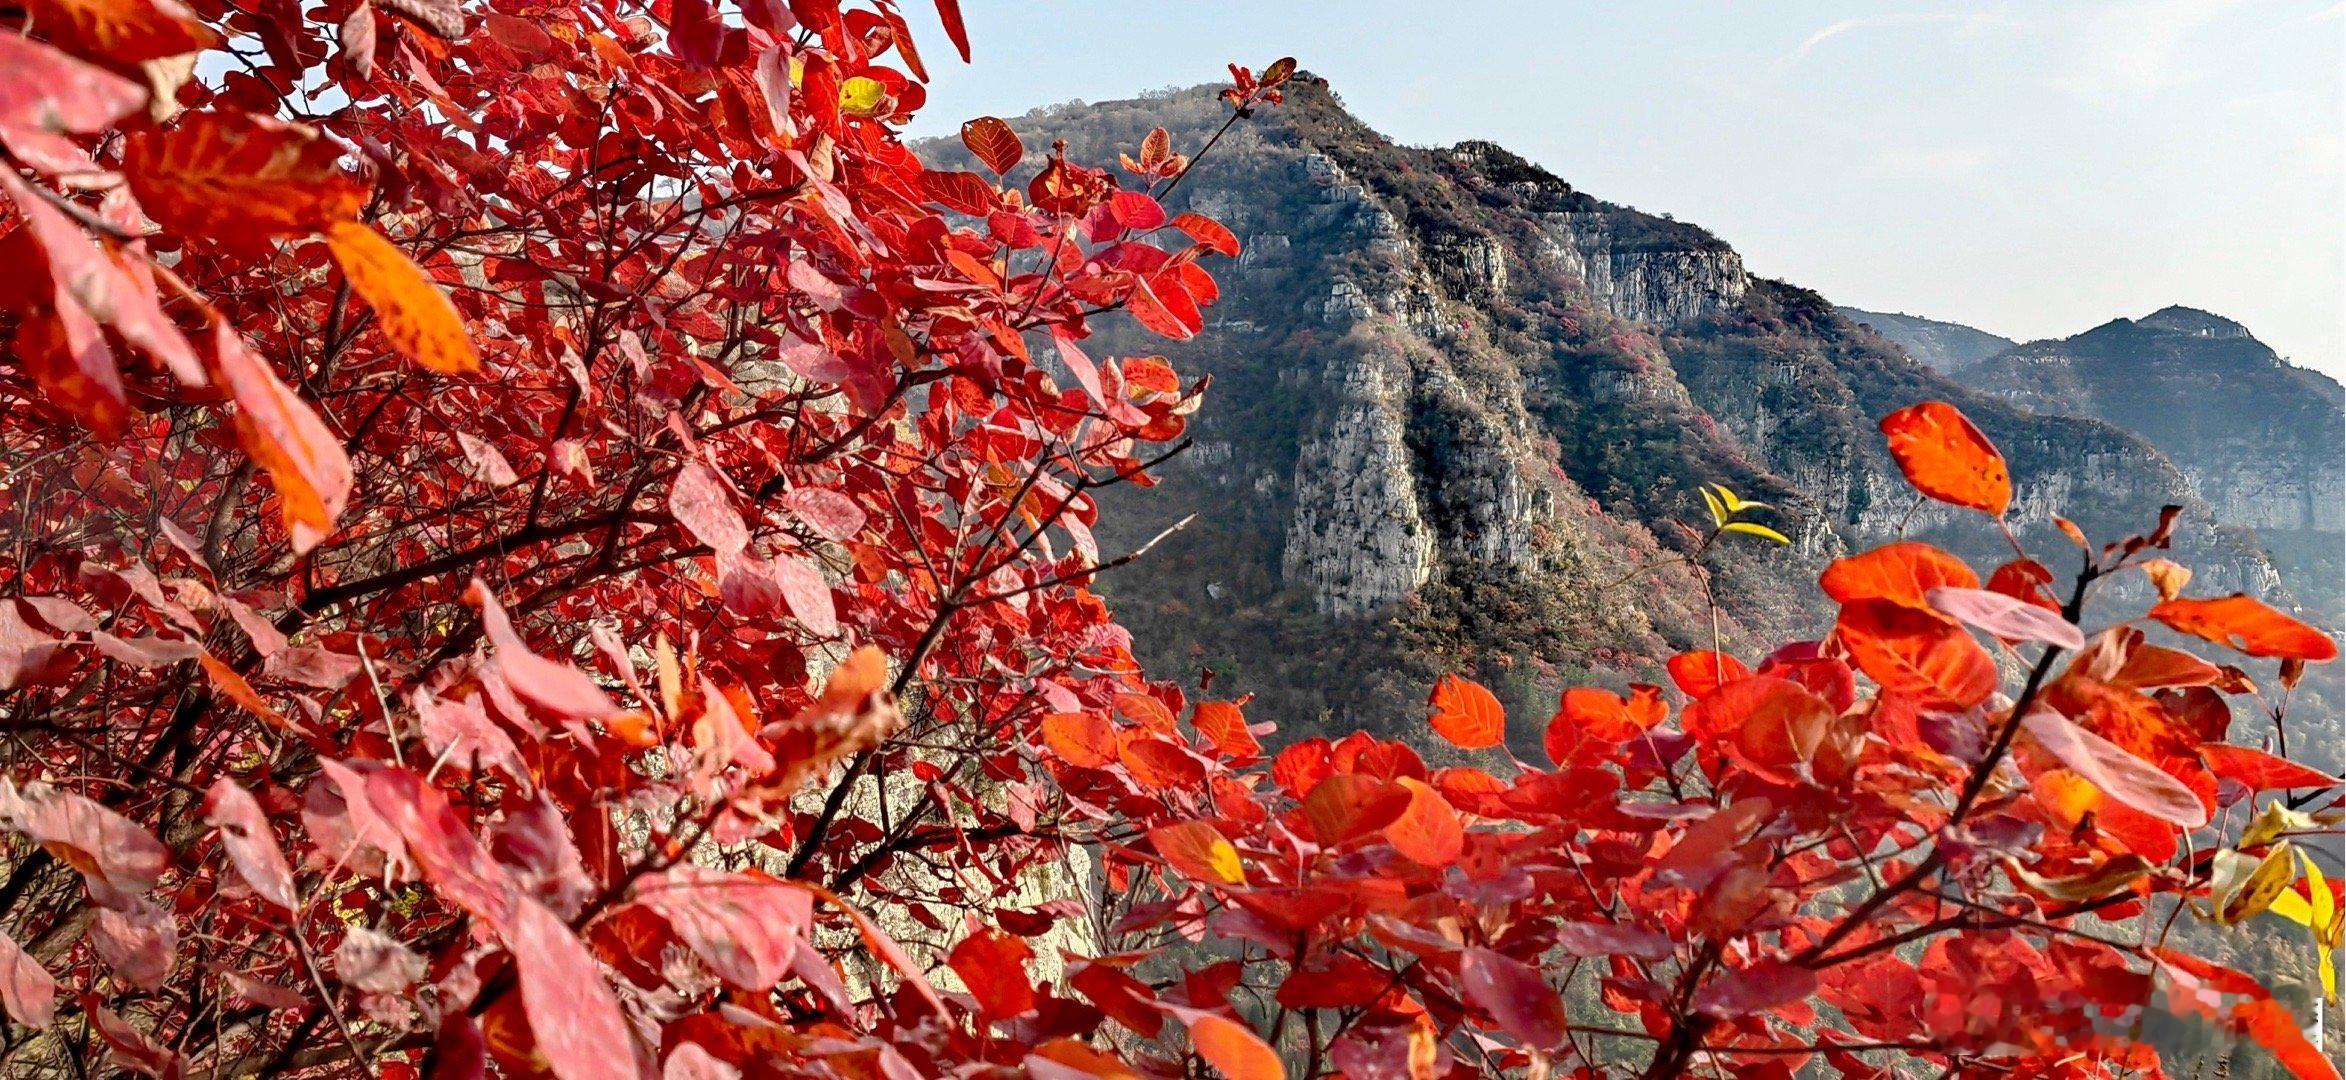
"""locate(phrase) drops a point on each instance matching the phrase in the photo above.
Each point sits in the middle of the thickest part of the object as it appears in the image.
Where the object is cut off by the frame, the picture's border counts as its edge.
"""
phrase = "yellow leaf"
(1761, 531)
(1718, 511)
(1737, 504)
(2111, 876)
(2276, 820)
(862, 95)
(2244, 886)
(416, 316)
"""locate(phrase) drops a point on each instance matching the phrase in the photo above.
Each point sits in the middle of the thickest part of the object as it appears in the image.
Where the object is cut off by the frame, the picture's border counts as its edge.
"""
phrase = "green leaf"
(1761, 531)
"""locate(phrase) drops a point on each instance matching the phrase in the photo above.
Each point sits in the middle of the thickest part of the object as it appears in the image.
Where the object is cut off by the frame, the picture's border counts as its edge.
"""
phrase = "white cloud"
(1968, 23)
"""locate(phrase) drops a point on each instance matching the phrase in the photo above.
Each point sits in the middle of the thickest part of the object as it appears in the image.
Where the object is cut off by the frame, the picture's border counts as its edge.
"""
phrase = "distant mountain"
(2259, 439)
(1460, 412)
(1946, 347)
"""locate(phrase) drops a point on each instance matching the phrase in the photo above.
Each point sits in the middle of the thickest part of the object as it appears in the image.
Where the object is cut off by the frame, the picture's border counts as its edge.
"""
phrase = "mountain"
(2259, 439)
(1946, 347)
(1459, 415)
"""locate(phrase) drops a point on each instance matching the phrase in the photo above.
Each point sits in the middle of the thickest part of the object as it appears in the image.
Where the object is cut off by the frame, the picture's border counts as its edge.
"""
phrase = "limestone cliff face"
(1461, 410)
(1358, 538)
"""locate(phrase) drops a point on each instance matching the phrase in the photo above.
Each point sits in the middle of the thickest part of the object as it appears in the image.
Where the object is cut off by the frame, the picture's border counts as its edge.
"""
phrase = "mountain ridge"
(1461, 410)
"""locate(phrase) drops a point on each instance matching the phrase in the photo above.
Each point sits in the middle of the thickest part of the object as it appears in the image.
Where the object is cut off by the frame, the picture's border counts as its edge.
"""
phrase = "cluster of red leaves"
(479, 483)
(1861, 853)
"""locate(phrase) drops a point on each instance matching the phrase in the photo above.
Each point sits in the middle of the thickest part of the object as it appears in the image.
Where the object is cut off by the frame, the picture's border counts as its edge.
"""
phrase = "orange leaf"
(1909, 652)
(1768, 725)
(1159, 764)
(1903, 573)
(1224, 726)
(2246, 624)
(228, 682)
(1346, 805)
(1428, 830)
(416, 316)
(1082, 739)
(302, 457)
(1466, 714)
(2259, 771)
(1947, 458)
(1199, 851)
(1233, 1050)
(1702, 671)
(1208, 233)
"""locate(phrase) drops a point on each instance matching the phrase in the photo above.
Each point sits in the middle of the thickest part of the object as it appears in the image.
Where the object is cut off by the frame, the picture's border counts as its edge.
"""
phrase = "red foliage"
(536, 530)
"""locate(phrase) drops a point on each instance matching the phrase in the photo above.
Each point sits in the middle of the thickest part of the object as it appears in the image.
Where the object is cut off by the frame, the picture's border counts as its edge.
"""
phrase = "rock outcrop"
(1461, 410)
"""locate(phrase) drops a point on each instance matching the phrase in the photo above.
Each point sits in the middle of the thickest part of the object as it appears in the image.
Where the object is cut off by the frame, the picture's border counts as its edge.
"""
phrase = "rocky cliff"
(1461, 408)
(2258, 438)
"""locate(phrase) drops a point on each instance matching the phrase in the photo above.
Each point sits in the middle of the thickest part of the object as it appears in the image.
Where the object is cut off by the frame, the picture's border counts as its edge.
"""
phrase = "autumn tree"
(543, 540)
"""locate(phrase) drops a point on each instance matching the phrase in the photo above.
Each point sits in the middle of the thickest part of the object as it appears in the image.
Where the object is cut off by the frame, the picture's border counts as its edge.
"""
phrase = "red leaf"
(2246, 624)
(699, 502)
(1135, 210)
(1947, 458)
(1466, 714)
(303, 457)
(26, 988)
(244, 177)
(571, 1009)
(996, 146)
(1345, 806)
(832, 515)
(1767, 985)
(1300, 767)
(745, 926)
(1702, 671)
(993, 966)
(250, 843)
(558, 688)
(2118, 773)
(949, 13)
(1515, 996)
(1208, 233)
(1233, 1049)
(374, 962)
(117, 856)
(48, 95)
(1199, 851)
(1087, 375)
(1903, 573)
(1427, 831)
(1912, 652)
(2260, 771)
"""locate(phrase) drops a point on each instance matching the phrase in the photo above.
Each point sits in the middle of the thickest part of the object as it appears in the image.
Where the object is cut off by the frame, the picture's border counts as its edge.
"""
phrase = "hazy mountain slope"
(1460, 408)
(2261, 441)
(1945, 346)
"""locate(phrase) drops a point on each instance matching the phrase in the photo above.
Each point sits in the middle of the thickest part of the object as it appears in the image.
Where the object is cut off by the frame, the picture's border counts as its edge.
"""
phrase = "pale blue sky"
(2032, 169)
